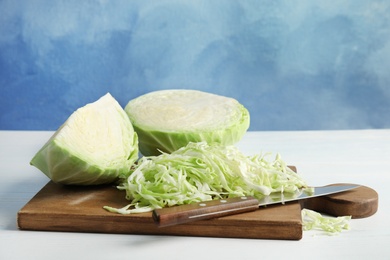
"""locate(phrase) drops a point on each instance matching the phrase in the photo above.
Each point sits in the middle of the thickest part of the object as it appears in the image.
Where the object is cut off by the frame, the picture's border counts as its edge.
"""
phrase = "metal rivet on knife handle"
(204, 210)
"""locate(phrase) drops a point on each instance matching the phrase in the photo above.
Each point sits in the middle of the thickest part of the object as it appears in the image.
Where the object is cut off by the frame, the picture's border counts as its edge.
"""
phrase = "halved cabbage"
(166, 120)
(95, 145)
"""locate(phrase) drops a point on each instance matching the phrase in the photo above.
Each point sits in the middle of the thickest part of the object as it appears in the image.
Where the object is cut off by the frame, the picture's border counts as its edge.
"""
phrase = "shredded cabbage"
(201, 172)
(331, 225)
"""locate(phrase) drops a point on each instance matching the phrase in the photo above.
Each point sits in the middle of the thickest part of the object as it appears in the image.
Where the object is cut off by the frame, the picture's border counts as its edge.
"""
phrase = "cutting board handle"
(360, 202)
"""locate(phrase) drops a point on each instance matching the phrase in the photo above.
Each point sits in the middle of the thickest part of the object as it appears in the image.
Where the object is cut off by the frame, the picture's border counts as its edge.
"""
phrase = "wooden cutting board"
(80, 209)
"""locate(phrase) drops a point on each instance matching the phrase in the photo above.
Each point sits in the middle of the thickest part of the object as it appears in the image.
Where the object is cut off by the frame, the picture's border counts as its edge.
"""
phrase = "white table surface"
(322, 157)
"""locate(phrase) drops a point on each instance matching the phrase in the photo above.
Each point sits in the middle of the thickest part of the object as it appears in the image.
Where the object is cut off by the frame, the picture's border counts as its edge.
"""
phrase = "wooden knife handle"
(203, 210)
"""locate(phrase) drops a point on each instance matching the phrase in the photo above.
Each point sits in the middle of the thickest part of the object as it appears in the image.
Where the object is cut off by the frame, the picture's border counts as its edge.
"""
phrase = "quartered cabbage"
(201, 172)
(95, 145)
(169, 119)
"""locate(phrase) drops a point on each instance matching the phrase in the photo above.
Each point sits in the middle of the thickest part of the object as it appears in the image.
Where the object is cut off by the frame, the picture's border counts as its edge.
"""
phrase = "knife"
(218, 208)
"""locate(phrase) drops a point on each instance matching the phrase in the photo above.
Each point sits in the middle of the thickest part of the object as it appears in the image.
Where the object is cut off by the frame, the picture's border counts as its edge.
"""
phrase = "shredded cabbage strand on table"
(201, 172)
(331, 225)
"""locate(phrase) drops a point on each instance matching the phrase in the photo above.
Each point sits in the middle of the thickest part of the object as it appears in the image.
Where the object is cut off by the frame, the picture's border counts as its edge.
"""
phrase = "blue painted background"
(296, 65)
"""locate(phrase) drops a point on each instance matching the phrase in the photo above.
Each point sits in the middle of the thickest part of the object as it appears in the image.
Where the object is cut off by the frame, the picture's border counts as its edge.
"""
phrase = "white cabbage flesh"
(95, 145)
(169, 119)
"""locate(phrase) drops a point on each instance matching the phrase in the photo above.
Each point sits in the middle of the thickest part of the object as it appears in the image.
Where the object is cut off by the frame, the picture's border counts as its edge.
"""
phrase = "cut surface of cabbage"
(95, 145)
(166, 120)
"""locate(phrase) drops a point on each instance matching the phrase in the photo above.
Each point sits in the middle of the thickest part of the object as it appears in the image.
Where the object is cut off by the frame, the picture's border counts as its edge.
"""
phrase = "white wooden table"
(322, 157)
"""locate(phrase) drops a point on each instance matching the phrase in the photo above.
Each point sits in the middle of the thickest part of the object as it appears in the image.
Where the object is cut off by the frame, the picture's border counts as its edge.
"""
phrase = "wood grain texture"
(361, 202)
(80, 209)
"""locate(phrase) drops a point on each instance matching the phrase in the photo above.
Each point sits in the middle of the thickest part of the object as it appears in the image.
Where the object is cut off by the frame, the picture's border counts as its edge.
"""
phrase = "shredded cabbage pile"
(331, 225)
(201, 172)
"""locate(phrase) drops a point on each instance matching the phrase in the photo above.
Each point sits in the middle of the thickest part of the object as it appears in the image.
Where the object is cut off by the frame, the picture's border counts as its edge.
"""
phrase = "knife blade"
(218, 208)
